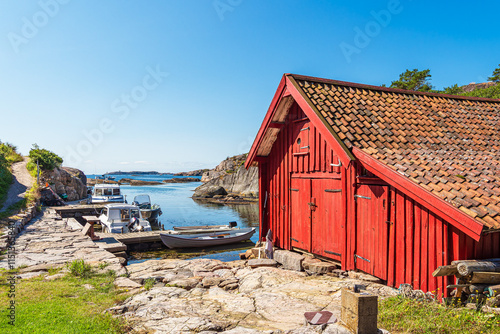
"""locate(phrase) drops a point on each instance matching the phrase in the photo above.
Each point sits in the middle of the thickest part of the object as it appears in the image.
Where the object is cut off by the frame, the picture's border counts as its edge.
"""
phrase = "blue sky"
(180, 85)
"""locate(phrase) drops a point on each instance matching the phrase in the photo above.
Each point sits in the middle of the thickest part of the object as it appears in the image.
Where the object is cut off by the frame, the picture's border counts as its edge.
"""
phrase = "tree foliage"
(47, 160)
(495, 77)
(452, 90)
(414, 80)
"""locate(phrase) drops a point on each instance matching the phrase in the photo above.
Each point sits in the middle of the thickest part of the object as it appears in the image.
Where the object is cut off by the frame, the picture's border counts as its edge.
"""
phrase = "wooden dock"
(78, 210)
(115, 242)
(111, 244)
(134, 237)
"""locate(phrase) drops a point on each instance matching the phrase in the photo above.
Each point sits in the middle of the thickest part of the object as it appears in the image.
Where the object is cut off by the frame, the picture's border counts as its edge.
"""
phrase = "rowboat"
(203, 229)
(206, 239)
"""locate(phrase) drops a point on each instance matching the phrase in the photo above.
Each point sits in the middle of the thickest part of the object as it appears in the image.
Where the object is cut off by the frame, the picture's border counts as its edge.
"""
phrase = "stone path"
(50, 241)
(22, 183)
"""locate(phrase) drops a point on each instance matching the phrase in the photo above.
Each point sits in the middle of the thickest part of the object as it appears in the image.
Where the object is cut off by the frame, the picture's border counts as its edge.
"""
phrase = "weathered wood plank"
(474, 261)
(445, 270)
(453, 286)
(485, 278)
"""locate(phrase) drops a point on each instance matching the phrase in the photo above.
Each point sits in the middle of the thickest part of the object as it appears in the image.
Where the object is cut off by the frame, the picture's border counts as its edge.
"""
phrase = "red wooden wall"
(359, 220)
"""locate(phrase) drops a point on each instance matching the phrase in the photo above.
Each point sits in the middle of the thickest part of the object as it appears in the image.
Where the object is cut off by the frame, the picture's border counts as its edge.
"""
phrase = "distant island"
(198, 172)
(137, 173)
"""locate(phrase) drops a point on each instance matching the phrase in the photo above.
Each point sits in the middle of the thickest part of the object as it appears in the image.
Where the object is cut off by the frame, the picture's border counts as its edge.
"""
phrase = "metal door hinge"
(333, 253)
(359, 196)
(333, 190)
(389, 222)
(360, 257)
(294, 239)
(292, 189)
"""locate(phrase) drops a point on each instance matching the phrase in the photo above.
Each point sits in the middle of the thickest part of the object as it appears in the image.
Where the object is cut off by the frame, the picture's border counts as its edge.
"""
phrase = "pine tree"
(414, 80)
(496, 75)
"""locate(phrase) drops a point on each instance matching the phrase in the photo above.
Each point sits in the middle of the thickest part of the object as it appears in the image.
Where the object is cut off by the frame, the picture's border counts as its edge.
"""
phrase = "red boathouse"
(390, 182)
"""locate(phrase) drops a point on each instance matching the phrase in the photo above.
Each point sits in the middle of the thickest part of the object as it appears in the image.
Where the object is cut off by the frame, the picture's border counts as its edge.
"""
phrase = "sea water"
(179, 209)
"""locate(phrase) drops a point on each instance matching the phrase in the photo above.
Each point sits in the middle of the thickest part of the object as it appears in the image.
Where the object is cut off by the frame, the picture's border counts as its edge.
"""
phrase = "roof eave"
(454, 216)
(278, 95)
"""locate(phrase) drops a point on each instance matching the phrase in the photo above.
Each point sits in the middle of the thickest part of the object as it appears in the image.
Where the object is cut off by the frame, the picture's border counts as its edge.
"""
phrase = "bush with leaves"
(79, 268)
(9, 153)
(47, 160)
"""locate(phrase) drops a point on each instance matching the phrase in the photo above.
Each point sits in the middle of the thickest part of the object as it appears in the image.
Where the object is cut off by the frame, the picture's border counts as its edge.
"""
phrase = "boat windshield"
(107, 192)
(134, 213)
(142, 199)
(125, 214)
(114, 214)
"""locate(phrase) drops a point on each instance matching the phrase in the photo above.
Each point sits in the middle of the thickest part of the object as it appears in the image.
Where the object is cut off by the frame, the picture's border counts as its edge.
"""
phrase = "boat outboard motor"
(132, 225)
(232, 224)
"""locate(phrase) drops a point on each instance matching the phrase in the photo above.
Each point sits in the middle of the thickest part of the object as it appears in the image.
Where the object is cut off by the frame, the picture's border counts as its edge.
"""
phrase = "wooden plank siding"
(416, 239)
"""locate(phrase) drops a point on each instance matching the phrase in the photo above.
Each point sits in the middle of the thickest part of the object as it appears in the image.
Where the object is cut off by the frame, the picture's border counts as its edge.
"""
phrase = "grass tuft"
(149, 283)
(80, 269)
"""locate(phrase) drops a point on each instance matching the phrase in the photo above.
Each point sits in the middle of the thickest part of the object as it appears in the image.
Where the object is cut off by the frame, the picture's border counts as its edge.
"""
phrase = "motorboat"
(104, 177)
(149, 211)
(123, 218)
(106, 193)
(175, 240)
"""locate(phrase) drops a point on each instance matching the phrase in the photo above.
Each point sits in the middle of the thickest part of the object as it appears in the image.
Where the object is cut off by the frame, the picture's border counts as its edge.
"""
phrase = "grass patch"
(79, 268)
(62, 306)
(5, 181)
(403, 315)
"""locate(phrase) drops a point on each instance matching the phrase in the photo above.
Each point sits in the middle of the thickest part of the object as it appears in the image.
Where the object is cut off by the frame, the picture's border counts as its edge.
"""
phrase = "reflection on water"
(179, 209)
(248, 213)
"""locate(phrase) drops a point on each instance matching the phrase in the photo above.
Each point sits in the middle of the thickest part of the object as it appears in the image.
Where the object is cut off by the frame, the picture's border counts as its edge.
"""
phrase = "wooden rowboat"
(206, 239)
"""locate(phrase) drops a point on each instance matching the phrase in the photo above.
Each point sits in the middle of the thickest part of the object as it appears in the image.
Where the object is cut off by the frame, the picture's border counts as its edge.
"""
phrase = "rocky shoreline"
(196, 296)
(229, 182)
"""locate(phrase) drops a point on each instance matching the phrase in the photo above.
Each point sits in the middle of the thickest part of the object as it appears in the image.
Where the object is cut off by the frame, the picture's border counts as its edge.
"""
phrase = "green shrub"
(80, 268)
(149, 283)
(47, 160)
(492, 92)
(9, 154)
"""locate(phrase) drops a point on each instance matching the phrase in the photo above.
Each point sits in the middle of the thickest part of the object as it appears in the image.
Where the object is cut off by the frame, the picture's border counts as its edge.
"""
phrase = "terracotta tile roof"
(448, 145)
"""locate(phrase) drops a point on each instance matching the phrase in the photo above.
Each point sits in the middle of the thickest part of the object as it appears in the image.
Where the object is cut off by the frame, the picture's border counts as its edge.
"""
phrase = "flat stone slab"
(321, 267)
(124, 282)
(289, 260)
(254, 263)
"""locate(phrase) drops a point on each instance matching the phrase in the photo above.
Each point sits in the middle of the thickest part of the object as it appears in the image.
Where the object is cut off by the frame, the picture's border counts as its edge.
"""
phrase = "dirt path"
(22, 183)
